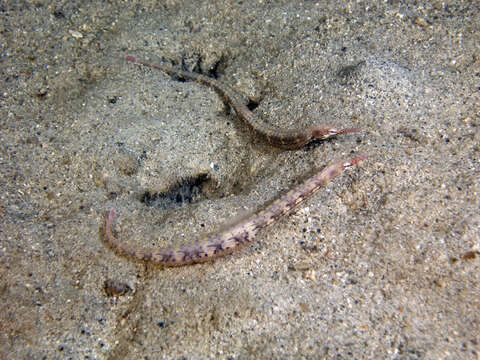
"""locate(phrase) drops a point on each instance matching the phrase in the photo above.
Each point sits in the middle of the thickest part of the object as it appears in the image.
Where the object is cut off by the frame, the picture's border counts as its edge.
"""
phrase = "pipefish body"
(237, 236)
(282, 138)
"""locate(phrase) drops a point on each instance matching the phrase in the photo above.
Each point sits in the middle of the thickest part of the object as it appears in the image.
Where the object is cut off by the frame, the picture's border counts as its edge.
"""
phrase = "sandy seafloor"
(383, 263)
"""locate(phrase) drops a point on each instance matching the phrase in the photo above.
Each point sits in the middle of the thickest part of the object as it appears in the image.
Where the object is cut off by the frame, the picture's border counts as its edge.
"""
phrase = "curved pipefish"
(236, 236)
(282, 138)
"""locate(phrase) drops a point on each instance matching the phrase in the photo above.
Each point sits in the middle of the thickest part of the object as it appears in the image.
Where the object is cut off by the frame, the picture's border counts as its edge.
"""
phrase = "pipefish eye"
(332, 132)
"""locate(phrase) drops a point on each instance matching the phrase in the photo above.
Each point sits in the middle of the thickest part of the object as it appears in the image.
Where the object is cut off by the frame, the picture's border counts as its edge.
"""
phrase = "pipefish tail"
(282, 138)
(236, 236)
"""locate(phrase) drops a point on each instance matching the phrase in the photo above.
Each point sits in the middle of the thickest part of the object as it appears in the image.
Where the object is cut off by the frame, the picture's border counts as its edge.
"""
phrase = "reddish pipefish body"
(282, 138)
(236, 236)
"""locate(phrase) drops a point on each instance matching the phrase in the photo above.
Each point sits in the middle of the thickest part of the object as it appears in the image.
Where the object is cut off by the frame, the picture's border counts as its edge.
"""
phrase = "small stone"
(420, 21)
(76, 34)
(311, 275)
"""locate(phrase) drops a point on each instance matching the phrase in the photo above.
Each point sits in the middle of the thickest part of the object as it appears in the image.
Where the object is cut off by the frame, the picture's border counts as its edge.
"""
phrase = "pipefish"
(238, 235)
(282, 138)
(243, 232)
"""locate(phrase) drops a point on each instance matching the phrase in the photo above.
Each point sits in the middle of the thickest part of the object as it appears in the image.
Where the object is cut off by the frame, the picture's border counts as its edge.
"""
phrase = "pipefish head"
(323, 133)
